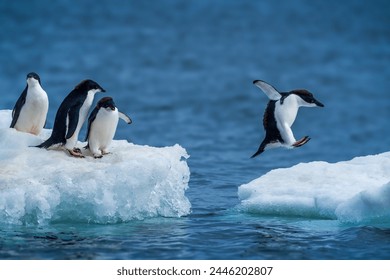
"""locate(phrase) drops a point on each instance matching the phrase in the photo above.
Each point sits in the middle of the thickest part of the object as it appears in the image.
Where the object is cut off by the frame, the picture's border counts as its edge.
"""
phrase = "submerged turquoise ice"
(183, 70)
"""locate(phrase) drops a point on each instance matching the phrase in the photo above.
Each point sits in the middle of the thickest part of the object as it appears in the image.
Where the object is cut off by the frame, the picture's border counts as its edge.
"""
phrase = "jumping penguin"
(30, 110)
(280, 114)
(102, 123)
(71, 115)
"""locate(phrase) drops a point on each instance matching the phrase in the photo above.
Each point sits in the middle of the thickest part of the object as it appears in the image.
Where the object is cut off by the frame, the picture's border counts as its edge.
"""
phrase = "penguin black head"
(307, 98)
(107, 103)
(33, 75)
(88, 85)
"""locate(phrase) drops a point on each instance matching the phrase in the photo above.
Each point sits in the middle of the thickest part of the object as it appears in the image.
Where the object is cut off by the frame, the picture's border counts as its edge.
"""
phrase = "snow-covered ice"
(44, 186)
(355, 191)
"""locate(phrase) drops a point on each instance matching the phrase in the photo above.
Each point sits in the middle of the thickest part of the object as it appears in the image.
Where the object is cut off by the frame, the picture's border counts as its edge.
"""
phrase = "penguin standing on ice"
(102, 124)
(29, 113)
(280, 114)
(71, 115)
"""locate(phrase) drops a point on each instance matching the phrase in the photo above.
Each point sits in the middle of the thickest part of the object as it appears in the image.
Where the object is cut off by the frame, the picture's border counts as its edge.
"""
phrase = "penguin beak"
(102, 90)
(110, 108)
(318, 103)
(31, 79)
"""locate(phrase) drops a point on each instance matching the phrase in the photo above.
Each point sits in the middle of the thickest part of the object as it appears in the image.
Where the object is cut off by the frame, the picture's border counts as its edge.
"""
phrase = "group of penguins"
(29, 115)
(30, 111)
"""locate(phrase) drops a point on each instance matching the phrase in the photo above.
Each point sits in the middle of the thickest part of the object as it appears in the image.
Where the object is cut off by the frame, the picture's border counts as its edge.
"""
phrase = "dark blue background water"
(183, 71)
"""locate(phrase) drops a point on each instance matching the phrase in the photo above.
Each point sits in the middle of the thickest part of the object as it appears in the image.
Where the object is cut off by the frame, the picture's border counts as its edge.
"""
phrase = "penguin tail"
(261, 148)
(259, 151)
(48, 143)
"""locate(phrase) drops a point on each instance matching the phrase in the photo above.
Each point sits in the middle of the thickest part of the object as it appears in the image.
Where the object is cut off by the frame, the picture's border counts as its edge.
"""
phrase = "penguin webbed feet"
(75, 152)
(100, 155)
(301, 142)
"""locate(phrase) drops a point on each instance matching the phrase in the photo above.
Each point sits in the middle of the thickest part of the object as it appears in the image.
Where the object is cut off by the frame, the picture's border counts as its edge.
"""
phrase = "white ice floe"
(133, 182)
(355, 191)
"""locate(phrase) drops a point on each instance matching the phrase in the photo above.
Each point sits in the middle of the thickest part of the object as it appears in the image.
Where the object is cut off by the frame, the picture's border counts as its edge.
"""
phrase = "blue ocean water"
(183, 71)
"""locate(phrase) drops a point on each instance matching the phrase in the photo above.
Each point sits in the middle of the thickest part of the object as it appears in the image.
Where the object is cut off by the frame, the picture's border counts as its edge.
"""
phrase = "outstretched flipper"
(269, 90)
(125, 117)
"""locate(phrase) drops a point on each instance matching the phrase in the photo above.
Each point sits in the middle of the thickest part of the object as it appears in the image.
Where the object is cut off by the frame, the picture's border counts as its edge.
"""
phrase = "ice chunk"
(133, 182)
(355, 191)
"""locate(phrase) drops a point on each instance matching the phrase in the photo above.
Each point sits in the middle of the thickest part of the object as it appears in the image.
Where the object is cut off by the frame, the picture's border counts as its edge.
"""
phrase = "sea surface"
(183, 71)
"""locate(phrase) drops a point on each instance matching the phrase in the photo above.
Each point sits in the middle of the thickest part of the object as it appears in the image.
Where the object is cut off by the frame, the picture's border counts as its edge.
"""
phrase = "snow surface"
(355, 191)
(133, 182)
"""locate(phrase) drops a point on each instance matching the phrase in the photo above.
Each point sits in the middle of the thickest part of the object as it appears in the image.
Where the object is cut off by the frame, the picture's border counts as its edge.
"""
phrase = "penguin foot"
(301, 142)
(103, 153)
(76, 152)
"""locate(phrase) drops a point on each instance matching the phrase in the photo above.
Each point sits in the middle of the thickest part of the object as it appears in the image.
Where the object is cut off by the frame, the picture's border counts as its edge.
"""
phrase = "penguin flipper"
(269, 90)
(73, 116)
(91, 118)
(125, 117)
(18, 107)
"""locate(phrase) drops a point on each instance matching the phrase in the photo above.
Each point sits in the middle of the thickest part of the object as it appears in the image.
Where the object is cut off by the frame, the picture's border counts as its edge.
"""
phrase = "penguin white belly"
(287, 112)
(83, 112)
(285, 115)
(33, 114)
(102, 131)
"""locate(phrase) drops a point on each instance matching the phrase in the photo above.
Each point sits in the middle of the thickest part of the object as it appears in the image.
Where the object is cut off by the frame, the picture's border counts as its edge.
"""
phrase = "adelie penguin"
(280, 114)
(70, 117)
(30, 111)
(102, 123)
